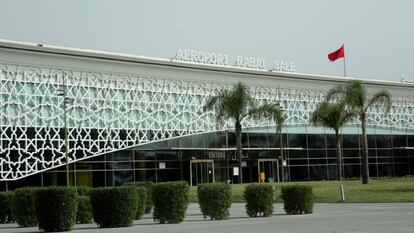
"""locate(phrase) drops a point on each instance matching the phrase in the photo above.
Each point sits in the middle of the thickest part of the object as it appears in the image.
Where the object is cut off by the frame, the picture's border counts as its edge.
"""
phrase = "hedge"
(259, 200)
(141, 204)
(83, 190)
(297, 199)
(148, 186)
(24, 210)
(114, 206)
(84, 213)
(214, 200)
(56, 208)
(6, 207)
(170, 201)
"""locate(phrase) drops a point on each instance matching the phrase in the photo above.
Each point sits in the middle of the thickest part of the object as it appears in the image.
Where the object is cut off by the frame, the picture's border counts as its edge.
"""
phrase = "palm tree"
(333, 116)
(274, 112)
(236, 104)
(355, 96)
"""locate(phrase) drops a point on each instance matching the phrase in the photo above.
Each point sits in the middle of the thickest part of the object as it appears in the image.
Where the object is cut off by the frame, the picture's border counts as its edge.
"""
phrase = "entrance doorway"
(268, 170)
(201, 171)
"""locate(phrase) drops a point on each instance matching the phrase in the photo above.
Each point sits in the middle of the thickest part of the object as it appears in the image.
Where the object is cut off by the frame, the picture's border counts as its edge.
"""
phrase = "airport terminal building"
(131, 118)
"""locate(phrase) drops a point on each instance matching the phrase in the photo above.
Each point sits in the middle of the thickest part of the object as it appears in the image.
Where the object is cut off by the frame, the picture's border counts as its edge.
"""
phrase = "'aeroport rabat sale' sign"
(223, 60)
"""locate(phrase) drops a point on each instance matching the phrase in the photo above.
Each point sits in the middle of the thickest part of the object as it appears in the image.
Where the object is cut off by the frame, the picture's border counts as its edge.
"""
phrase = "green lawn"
(378, 190)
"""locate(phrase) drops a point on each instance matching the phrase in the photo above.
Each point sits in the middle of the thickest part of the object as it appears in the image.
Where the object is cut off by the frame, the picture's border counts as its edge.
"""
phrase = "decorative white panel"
(114, 111)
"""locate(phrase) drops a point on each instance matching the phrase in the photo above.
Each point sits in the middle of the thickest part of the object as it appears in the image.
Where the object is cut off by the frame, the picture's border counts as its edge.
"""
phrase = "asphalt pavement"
(329, 218)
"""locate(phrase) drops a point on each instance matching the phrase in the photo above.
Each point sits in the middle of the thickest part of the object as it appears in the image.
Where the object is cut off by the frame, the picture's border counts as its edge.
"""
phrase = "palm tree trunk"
(279, 131)
(339, 156)
(239, 149)
(365, 166)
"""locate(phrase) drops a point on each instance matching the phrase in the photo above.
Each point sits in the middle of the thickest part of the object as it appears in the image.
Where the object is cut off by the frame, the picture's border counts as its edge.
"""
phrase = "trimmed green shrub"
(56, 208)
(142, 200)
(170, 201)
(297, 199)
(148, 186)
(84, 213)
(114, 206)
(214, 200)
(83, 190)
(259, 200)
(24, 210)
(6, 207)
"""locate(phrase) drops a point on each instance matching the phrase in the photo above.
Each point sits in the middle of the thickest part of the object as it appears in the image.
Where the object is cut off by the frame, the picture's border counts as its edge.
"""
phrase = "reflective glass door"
(201, 171)
(268, 170)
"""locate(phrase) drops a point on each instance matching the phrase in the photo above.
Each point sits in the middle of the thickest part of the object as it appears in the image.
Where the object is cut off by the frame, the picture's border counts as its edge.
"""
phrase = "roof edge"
(121, 57)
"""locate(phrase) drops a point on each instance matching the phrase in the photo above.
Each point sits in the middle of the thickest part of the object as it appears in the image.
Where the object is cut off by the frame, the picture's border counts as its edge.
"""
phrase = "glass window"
(372, 160)
(397, 153)
(317, 154)
(258, 140)
(351, 160)
(197, 141)
(373, 170)
(399, 140)
(410, 140)
(331, 171)
(167, 155)
(144, 155)
(274, 140)
(267, 154)
(352, 171)
(350, 153)
(384, 152)
(385, 170)
(298, 162)
(316, 141)
(186, 142)
(317, 161)
(220, 139)
(298, 173)
(330, 141)
(231, 139)
(210, 140)
(331, 153)
(174, 143)
(124, 155)
(350, 141)
(371, 141)
(401, 169)
(372, 153)
(245, 140)
(296, 154)
(383, 141)
(331, 160)
(297, 140)
(318, 173)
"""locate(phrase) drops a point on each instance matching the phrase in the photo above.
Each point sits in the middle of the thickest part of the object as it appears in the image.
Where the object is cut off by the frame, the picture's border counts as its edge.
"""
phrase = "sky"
(378, 35)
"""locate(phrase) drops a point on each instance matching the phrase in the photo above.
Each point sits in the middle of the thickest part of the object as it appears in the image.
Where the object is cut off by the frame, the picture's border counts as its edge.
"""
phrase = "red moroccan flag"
(337, 54)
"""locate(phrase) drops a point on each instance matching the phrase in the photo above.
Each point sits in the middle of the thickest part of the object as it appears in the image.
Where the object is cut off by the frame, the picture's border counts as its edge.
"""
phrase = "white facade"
(121, 101)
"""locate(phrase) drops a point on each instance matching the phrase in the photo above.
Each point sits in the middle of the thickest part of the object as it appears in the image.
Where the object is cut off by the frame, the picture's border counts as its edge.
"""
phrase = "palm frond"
(336, 92)
(331, 115)
(232, 104)
(382, 97)
(271, 111)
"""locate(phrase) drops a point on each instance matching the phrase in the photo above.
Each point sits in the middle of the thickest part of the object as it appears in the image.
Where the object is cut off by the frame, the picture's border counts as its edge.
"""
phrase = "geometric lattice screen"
(113, 111)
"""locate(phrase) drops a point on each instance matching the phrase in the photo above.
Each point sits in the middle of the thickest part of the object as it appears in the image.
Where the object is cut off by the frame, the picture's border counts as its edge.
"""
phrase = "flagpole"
(343, 45)
(344, 68)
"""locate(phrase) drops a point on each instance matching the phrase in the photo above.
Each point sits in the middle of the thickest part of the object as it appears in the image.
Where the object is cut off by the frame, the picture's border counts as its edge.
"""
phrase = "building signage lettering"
(216, 155)
(221, 59)
(243, 156)
(202, 57)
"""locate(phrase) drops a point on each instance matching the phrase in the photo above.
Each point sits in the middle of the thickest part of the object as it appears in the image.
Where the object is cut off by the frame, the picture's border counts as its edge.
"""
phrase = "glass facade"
(309, 154)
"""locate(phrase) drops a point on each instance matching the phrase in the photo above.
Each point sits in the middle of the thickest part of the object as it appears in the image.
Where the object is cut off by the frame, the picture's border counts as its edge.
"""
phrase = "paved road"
(338, 218)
